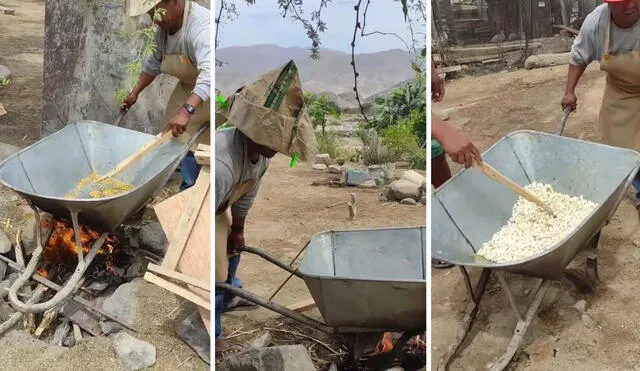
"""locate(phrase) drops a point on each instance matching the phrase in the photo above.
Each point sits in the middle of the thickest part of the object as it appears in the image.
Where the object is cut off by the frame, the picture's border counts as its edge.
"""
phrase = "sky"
(250, 27)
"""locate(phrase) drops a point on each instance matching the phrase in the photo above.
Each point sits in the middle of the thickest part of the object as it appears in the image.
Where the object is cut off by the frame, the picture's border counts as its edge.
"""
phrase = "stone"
(408, 201)
(335, 169)
(369, 183)
(333, 367)
(405, 189)
(513, 36)
(423, 200)
(498, 38)
(122, 303)
(319, 167)
(193, 332)
(28, 236)
(581, 306)
(397, 368)
(402, 165)
(547, 60)
(5, 243)
(134, 354)
(5, 74)
(3, 269)
(356, 176)
(281, 358)
(340, 161)
(262, 341)
(323, 158)
(152, 238)
(61, 333)
(110, 327)
(81, 80)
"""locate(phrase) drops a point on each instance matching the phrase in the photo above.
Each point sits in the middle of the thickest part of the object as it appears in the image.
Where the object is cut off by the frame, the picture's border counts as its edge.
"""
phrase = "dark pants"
(189, 170)
(440, 171)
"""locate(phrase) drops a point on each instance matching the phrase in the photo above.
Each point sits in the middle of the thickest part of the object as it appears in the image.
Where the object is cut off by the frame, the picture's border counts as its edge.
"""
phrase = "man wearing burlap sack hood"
(183, 51)
(268, 117)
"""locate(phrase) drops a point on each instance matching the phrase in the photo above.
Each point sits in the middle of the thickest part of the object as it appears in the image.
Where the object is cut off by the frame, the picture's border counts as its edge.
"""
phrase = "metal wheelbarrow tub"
(368, 278)
(470, 208)
(46, 171)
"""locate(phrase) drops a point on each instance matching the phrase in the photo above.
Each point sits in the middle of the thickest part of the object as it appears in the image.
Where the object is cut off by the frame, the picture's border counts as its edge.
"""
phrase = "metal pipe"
(76, 232)
(275, 307)
(271, 259)
(60, 295)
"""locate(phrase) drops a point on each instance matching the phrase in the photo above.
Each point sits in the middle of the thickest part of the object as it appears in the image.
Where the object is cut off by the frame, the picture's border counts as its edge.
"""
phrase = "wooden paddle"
(498, 177)
(160, 139)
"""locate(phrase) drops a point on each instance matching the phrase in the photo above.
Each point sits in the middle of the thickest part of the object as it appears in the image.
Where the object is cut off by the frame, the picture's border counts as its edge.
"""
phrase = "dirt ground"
(21, 50)
(486, 108)
(287, 212)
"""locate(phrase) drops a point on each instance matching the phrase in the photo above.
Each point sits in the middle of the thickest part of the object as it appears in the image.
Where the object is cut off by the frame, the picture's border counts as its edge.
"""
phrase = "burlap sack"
(271, 112)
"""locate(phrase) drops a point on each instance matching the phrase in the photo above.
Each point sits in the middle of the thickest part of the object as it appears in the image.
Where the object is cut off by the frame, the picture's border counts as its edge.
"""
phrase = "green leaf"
(416, 67)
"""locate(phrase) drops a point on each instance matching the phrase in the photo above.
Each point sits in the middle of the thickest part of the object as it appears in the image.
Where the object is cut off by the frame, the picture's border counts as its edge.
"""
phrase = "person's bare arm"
(455, 144)
(573, 77)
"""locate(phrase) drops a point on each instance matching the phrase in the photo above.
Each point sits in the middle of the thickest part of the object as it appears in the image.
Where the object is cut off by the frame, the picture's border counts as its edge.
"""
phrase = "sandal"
(223, 349)
(239, 304)
(440, 264)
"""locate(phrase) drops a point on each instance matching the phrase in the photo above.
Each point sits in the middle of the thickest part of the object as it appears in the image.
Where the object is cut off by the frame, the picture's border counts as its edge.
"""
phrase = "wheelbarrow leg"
(469, 317)
(521, 328)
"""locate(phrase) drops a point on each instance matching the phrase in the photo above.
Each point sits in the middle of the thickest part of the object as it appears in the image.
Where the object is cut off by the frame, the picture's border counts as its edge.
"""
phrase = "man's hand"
(459, 148)
(129, 101)
(178, 124)
(234, 242)
(437, 87)
(569, 100)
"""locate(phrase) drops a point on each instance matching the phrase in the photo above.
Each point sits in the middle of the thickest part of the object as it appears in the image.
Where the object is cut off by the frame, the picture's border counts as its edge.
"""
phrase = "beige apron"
(620, 111)
(223, 227)
(181, 67)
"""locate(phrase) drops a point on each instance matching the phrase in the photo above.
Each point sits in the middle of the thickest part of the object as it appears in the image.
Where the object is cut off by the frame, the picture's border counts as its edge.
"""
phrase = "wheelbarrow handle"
(271, 259)
(563, 120)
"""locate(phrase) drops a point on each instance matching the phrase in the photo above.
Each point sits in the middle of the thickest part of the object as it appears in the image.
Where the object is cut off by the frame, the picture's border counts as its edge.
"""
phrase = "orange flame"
(62, 250)
(384, 345)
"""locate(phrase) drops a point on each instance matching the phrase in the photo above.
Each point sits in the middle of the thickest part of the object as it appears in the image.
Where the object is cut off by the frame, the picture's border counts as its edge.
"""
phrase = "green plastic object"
(294, 160)
(222, 101)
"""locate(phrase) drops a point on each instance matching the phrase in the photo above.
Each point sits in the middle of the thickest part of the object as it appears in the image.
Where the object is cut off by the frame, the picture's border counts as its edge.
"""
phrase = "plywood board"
(195, 258)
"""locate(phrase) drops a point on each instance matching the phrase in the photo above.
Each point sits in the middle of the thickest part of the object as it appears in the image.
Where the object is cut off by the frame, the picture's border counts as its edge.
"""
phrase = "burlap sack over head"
(271, 112)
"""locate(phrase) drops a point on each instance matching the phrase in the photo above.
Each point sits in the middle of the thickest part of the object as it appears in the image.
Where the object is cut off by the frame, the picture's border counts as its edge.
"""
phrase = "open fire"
(60, 254)
(410, 353)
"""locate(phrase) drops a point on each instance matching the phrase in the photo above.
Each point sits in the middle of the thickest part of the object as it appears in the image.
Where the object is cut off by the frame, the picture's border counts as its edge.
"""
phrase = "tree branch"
(353, 60)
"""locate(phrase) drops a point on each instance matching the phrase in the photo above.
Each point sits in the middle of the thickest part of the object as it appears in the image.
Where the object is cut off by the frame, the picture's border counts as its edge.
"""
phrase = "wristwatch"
(189, 108)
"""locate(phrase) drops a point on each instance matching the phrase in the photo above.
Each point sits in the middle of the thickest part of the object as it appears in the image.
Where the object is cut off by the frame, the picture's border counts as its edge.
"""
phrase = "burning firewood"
(15, 317)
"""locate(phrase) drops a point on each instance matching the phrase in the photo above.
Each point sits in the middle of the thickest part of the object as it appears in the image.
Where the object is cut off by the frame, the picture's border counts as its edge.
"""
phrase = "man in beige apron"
(182, 51)
(269, 117)
(611, 35)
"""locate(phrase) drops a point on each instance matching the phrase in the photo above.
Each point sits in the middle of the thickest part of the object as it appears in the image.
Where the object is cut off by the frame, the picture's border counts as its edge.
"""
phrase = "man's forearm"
(238, 222)
(439, 128)
(143, 81)
(573, 76)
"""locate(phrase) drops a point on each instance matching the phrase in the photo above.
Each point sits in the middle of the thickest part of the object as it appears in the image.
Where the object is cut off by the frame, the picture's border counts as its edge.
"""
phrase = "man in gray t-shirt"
(182, 50)
(611, 36)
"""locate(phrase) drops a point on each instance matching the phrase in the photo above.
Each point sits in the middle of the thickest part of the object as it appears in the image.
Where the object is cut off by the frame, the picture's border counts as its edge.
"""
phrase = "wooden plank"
(204, 147)
(2, 110)
(450, 69)
(203, 158)
(178, 290)
(571, 30)
(195, 259)
(187, 221)
(303, 305)
(179, 276)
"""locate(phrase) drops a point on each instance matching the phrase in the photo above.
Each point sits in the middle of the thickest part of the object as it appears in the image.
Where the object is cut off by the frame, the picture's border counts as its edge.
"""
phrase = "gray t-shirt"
(233, 167)
(589, 45)
(197, 48)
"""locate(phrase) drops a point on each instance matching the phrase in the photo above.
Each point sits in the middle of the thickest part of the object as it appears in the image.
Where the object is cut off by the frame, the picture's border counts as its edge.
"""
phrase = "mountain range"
(331, 74)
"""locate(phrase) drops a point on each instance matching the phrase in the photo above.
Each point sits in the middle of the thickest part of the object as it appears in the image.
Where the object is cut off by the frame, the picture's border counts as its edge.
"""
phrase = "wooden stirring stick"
(160, 138)
(495, 175)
